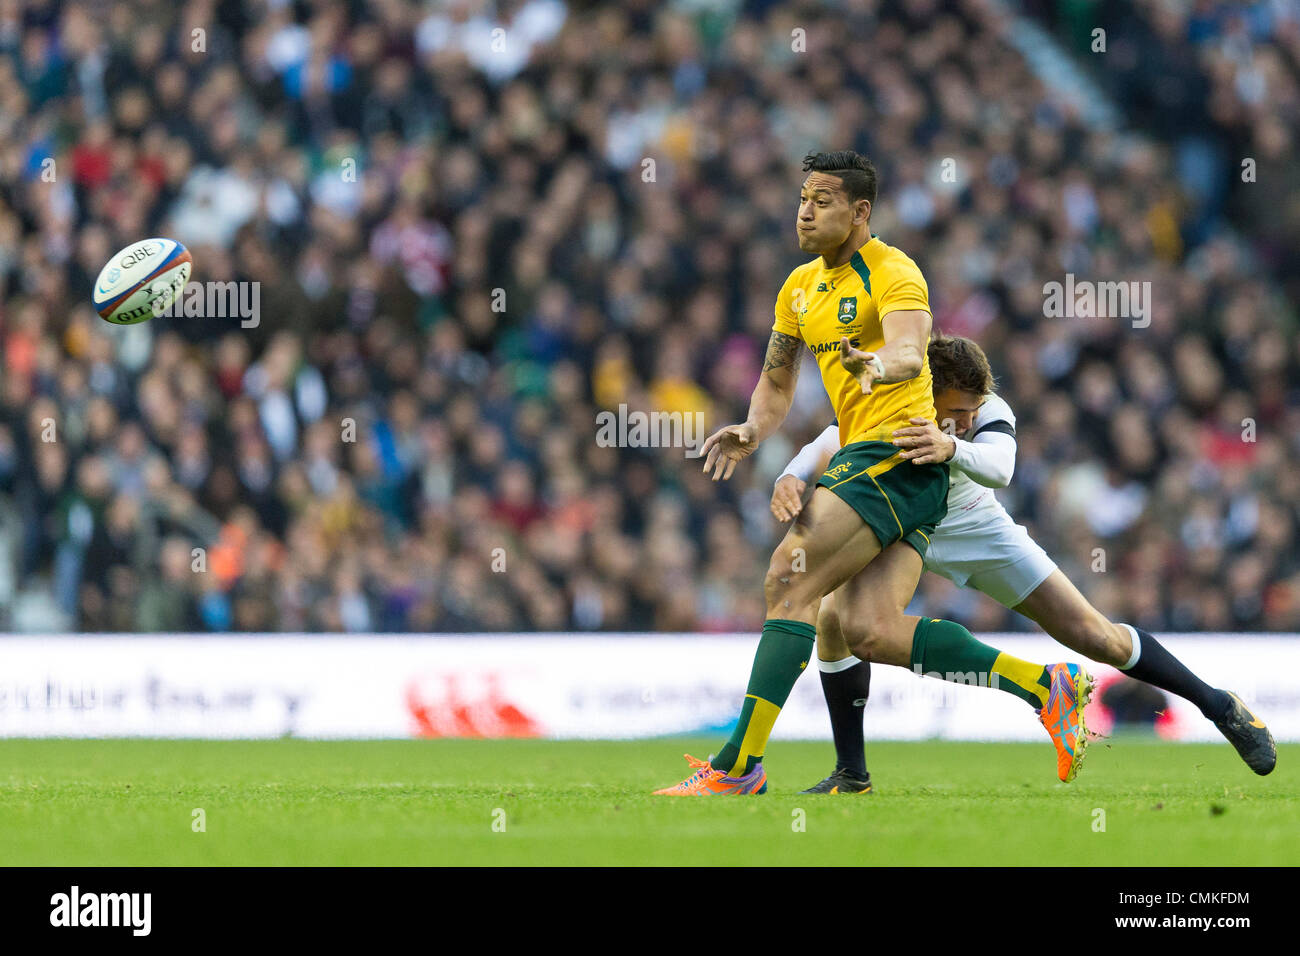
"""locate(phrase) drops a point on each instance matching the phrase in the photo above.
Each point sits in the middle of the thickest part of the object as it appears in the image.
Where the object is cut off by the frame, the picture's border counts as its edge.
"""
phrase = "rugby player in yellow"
(863, 309)
(980, 546)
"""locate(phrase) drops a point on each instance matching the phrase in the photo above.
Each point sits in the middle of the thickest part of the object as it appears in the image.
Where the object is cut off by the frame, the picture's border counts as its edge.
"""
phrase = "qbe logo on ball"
(142, 280)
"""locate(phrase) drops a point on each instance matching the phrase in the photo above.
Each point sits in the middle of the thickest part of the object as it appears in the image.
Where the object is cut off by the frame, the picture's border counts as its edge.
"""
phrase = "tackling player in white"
(979, 546)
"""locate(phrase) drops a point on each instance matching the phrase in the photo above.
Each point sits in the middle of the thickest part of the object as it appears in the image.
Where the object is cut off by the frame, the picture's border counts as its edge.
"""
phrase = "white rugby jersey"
(985, 456)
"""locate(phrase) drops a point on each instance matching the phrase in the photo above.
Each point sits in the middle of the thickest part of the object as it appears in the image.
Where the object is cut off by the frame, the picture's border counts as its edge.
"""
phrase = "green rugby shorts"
(897, 499)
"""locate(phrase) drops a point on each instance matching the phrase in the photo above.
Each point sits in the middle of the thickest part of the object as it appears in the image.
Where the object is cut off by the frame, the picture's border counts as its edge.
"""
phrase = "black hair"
(854, 170)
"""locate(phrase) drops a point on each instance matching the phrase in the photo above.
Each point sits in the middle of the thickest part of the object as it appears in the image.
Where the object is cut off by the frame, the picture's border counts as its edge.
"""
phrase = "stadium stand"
(504, 265)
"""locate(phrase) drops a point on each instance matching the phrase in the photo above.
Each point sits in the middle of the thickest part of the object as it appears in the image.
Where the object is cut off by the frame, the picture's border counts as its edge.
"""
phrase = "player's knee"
(863, 639)
(777, 582)
(785, 580)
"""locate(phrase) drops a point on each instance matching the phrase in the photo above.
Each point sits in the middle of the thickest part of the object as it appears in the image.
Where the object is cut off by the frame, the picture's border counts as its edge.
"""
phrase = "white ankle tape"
(834, 667)
(1137, 648)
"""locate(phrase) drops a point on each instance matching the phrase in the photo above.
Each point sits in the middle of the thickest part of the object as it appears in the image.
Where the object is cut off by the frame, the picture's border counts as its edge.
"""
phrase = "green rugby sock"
(783, 653)
(947, 651)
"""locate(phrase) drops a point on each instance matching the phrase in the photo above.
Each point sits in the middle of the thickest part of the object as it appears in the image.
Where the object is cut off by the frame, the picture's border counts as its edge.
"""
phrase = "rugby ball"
(142, 280)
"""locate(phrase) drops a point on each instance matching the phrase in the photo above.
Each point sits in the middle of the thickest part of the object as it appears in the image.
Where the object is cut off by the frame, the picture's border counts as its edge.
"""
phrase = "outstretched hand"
(866, 367)
(727, 446)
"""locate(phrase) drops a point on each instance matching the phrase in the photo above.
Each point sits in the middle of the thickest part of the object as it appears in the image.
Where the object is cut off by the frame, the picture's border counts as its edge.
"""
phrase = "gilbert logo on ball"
(142, 280)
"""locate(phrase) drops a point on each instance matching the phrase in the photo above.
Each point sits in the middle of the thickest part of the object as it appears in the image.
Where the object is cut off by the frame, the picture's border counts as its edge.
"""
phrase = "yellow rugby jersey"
(818, 305)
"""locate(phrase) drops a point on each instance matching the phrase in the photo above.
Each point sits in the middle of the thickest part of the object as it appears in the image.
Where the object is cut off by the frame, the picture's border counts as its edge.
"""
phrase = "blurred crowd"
(1219, 80)
(475, 225)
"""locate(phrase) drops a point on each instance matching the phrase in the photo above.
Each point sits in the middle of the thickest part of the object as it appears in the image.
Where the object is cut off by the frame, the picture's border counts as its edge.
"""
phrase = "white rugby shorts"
(984, 549)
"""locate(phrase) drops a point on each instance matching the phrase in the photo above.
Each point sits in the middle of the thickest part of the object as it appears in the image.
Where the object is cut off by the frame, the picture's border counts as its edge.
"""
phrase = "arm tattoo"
(782, 352)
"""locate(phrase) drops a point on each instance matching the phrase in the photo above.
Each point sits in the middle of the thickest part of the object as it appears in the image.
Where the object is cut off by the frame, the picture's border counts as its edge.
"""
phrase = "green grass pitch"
(295, 802)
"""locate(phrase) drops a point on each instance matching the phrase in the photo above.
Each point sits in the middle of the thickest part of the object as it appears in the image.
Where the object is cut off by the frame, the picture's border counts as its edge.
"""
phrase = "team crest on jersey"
(848, 309)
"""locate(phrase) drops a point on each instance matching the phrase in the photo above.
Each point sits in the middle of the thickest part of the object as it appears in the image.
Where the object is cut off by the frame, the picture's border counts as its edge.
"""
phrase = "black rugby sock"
(846, 685)
(1157, 667)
